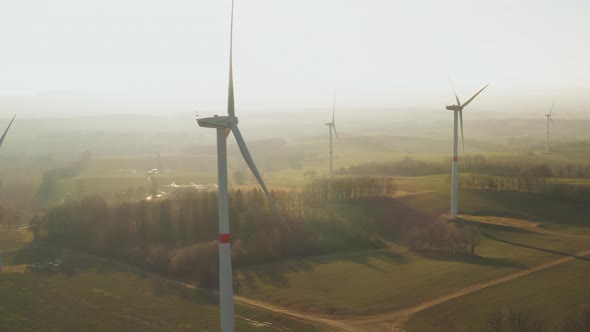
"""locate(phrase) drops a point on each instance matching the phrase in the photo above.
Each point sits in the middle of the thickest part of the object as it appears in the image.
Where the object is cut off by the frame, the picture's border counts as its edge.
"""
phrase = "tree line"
(443, 237)
(505, 319)
(537, 178)
(178, 235)
(479, 164)
(408, 166)
(527, 180)
(508, 320)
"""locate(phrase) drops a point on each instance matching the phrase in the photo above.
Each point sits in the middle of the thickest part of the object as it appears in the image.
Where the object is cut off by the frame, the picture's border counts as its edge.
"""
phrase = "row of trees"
(506, 320)
(474, 164)
(444, 237)
(178, 235)
(528, 181)
(348, 188)
(405, 167)
(571, 170)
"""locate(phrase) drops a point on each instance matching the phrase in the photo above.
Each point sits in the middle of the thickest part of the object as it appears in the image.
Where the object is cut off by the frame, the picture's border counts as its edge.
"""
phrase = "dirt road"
(391, 320)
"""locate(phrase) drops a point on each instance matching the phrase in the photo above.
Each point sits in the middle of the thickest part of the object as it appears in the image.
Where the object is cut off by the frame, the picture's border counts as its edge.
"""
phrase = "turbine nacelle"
(329, 124)
(217, 121)
(454, 108)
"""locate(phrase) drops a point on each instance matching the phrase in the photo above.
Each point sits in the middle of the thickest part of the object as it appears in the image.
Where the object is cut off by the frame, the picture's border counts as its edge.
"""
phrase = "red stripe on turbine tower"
(455, 158)
(224, 238)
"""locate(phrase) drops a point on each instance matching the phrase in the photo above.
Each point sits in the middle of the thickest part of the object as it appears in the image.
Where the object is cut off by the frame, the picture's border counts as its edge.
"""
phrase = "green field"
(397, 278)
(375, 282)
(86, 295)
(94, 296)
(285, 168)
(15, 239)
(551, 295)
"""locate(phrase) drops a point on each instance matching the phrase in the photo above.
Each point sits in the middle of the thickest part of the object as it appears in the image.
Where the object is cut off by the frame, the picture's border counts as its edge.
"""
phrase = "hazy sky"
(294, 53)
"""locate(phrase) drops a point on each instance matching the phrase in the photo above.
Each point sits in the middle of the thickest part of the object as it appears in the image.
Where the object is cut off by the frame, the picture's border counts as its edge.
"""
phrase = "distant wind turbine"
(332, 126)
(225, 125)
(458, 116)
(549, 118)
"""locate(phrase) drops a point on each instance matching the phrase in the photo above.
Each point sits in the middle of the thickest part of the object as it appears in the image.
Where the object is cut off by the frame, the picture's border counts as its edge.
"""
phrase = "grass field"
(551, 296)
(86, 295)
(553, 214)
(92, 296)
(395, 278)
(106, 174)
(15, 239)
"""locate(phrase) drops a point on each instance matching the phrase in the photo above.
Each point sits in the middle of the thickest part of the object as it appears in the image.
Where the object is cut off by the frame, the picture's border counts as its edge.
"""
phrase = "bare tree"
(518, 321)
(496, 322)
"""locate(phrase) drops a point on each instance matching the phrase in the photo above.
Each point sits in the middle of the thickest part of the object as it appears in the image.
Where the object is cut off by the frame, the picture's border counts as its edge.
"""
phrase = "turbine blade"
(454, 92)
(252, 166)
(230, 95)
(231, 111)
(553, 123)
(6, 131)
(475, 95)
(462, 139)
(334, 109)
(335, 132)
(551, 110)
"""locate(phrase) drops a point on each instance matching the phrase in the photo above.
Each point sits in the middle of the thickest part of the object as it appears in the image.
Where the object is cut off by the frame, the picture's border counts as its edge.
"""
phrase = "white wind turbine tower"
(332, 126)
(549, 118)
(225, 125)
(458, 117)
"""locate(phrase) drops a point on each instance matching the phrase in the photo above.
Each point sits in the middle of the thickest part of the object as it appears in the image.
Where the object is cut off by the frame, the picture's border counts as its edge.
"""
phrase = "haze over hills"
(500, 102)
(144, 133)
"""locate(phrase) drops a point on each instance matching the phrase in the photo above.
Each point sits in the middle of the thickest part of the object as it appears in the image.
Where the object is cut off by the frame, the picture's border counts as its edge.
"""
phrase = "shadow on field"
(364, 258)
(275, 275)
(30, 255)
(39, 262)
(556, 252)
(491, 227)
(478, 260)
(530, 206)
(46, 260)
(196, 295)
(394, 217)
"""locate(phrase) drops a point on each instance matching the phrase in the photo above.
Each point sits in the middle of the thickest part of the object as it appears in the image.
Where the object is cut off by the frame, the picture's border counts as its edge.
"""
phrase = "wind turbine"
(332, 126)
(549, 118)
(2, 141)
(458, 117)
(224, 125)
